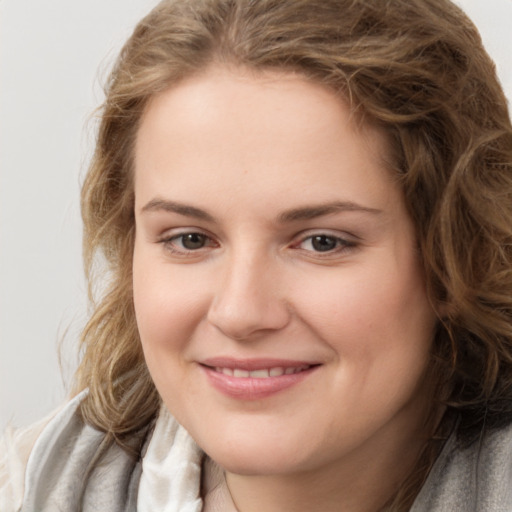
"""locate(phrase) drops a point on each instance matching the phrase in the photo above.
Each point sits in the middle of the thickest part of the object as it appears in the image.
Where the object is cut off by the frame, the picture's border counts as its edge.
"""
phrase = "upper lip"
(254, 364)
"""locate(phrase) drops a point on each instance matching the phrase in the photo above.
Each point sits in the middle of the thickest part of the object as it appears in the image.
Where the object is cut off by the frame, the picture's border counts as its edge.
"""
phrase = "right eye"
(189, 242)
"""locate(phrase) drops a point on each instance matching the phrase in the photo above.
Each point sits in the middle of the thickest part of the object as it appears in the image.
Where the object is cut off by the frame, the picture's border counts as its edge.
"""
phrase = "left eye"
(323, 243)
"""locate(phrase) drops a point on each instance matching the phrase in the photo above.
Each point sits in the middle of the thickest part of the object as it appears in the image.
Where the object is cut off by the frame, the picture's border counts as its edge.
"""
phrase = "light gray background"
(53, 57)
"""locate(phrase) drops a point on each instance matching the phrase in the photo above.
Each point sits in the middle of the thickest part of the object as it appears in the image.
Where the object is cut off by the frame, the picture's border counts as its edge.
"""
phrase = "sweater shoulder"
(474, 477)
(16, 445)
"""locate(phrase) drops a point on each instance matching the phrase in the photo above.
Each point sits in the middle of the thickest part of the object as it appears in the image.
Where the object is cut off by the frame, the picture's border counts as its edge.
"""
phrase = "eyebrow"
(306, 212)
(179, 208)
(314, 211)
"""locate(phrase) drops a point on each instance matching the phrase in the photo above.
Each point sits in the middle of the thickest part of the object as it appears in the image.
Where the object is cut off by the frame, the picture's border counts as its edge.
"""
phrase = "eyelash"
(341, 245)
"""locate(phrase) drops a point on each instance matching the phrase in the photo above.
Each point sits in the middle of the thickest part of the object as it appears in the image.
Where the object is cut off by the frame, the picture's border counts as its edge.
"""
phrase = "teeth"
(259, 374)
(276, 372)
(263, 373)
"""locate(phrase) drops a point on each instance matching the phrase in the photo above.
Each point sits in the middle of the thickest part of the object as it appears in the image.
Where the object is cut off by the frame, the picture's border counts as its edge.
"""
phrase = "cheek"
(164, 314)
(372, 311)
(164, 306)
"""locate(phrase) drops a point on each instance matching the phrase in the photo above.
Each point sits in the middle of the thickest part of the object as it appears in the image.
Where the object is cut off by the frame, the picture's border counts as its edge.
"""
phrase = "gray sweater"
(477, 478)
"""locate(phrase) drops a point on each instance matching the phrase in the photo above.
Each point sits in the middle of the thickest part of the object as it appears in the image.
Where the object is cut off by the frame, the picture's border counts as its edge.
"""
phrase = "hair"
(415, 67)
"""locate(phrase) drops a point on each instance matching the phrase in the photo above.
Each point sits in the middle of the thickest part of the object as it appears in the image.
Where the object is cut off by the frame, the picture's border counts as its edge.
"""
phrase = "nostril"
(241, 319)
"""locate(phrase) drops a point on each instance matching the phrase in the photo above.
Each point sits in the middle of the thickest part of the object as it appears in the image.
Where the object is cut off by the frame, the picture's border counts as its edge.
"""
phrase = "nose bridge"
(249, 298)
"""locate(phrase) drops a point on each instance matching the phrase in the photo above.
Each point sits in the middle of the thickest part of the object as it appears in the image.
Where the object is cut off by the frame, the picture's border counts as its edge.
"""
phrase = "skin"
(255, 158)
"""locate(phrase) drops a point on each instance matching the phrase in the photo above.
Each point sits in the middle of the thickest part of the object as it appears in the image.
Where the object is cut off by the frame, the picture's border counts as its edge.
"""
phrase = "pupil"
(323, 243)
(193, 241)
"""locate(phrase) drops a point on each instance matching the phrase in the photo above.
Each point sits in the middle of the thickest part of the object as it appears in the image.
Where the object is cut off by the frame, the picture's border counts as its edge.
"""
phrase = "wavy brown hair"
(415, 67)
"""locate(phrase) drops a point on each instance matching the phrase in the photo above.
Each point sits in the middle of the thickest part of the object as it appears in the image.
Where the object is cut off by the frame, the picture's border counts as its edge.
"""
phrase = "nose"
(250, 300)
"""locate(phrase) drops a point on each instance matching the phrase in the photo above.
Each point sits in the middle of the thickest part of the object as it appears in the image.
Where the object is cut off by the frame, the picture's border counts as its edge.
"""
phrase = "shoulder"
(73, 466)
(65, 464)
(474, 477)
(15, 448)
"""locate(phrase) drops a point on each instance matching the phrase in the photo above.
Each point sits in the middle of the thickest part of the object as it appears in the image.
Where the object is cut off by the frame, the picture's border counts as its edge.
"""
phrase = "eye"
(191, 241)
(188, 242)
(325, 243)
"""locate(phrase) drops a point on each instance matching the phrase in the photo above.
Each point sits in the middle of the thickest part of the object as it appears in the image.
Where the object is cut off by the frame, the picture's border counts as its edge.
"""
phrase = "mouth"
(263, 373)
(255, 379)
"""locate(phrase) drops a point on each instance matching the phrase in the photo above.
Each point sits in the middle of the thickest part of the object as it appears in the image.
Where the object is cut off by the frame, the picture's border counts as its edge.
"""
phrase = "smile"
(263, 373)
(255, 379)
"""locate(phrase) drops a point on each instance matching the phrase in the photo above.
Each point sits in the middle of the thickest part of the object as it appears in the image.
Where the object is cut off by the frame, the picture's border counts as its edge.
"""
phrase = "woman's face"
(277, 283)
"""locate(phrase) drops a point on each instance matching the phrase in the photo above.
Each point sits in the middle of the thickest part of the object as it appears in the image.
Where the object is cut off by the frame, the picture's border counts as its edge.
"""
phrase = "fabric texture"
(15, 448)
(171, 470)
(68, 469)
(62, 473)
(477, 478)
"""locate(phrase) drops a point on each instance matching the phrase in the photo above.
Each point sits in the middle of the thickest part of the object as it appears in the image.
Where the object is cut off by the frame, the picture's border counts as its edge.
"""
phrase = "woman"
(304, 210)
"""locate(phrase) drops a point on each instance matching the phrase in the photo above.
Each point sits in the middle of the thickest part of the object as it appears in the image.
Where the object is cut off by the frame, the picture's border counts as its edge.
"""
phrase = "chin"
(253, 464)
(256, 456)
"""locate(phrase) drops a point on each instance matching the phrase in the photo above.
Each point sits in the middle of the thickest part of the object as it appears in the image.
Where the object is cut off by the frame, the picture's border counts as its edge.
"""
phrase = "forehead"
(238, 125)
(278, 101)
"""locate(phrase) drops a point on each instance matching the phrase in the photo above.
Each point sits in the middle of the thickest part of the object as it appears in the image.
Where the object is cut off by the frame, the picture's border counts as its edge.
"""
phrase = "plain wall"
(50, 56)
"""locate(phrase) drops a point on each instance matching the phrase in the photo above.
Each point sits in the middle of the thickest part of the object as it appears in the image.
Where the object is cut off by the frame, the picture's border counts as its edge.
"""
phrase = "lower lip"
(251, 388)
